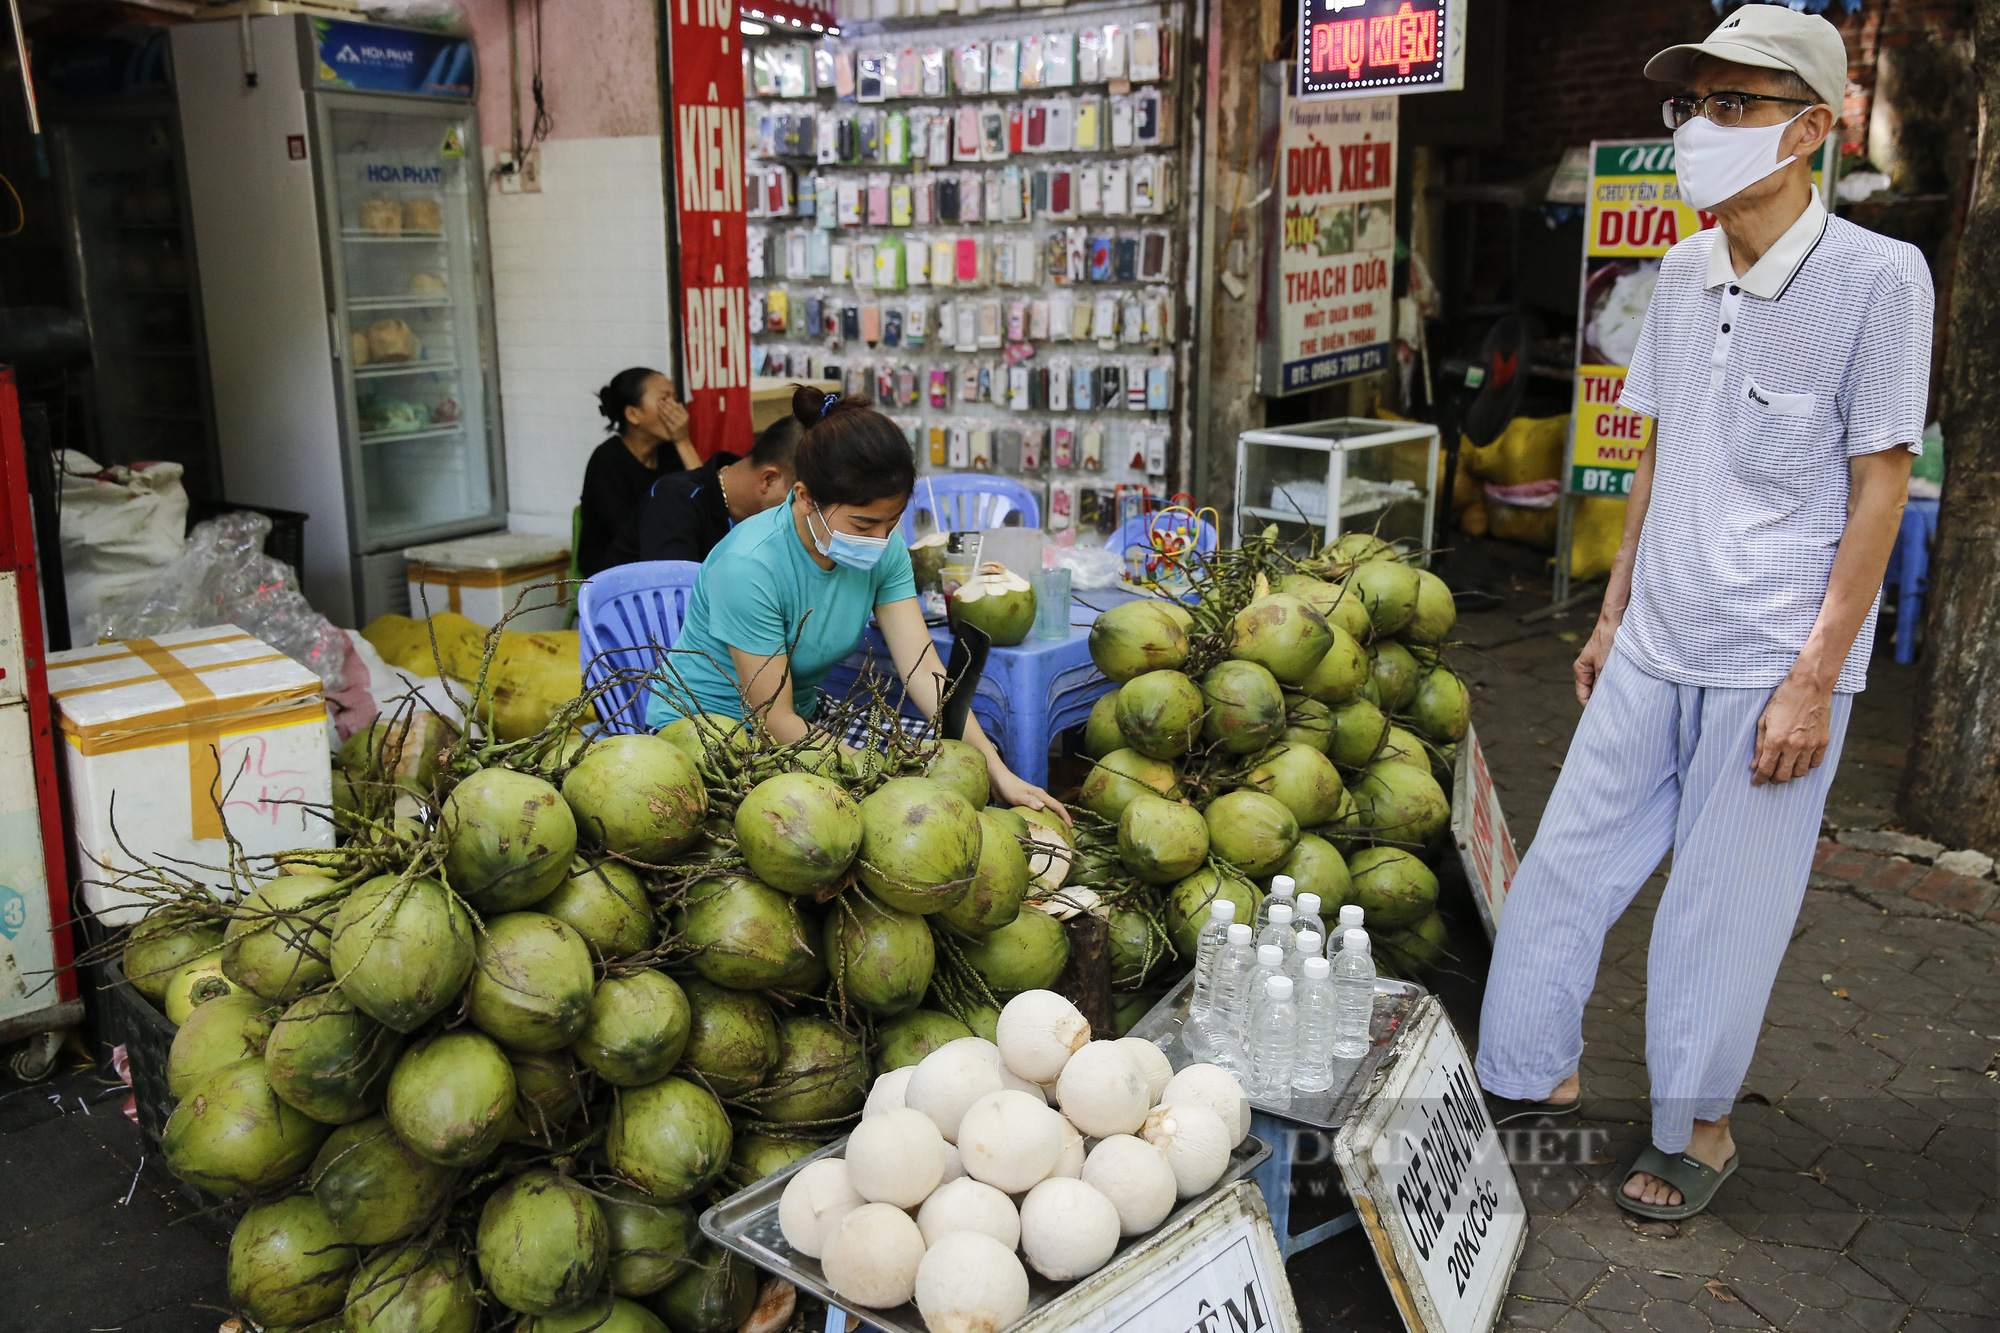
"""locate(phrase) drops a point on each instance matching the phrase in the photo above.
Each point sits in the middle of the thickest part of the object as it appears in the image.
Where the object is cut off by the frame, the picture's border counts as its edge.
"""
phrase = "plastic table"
(1027, 695)
(1909, 572)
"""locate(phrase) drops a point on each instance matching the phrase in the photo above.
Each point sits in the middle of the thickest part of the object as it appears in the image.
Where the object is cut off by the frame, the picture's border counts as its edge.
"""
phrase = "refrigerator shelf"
(397, 436)
(379, 237)
(427, 302)
(404, 368)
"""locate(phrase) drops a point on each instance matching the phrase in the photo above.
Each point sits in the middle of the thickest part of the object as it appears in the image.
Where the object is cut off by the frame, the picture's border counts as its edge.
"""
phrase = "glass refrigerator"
(338, 204)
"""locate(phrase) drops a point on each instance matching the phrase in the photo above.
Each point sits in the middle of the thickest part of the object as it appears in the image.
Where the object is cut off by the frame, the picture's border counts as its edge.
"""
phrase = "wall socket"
(524, 177)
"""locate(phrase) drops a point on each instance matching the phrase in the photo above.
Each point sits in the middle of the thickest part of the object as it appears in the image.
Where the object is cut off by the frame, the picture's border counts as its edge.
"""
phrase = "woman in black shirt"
(651, 440)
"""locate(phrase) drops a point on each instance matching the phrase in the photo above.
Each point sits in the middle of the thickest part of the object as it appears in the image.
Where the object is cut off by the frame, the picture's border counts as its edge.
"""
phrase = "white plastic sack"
(120, 527)
(388, 684)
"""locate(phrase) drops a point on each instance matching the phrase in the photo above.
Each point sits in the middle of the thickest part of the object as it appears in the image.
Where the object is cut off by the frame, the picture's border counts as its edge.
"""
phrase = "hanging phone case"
(992, 133)
(989, 325)
(1082, 389)
(937, 433)
(864, 263)
(840, 260)
(1059, 60)
(1145, 57)
(979, 442)
(1062, 313)
(878, 199)
(843, 74)
(777, 305)
(961, 447)
(1153, 256)
(1160, 387)
(940, 393)
(1117, 190)
(968, 340)
(899, 205)
(944, 261)
(896, 139)
(916, 319)
(850, 322)
(892, 327)
(1131, 320)
(796, 265)
(1146, 117)
(1090, 191)
(1059, 385)
(937, 136)
(1031, 449)
(1121, 121)
(969, 68)
(1038, 128)
(1090, 56)
(1125, 259)
(1031, 61)
(1059, 133)
(1060, 451)
(868, 73)
(909, 72)
(1100, 260)
(1093, 450)
(1003, 67)
(1113, 60)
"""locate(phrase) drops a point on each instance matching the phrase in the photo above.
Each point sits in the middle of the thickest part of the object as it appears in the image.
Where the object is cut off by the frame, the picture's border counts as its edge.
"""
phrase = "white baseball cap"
(1769, 37)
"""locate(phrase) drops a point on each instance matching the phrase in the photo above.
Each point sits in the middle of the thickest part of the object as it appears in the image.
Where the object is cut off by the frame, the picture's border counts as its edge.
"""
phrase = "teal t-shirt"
(758, 592)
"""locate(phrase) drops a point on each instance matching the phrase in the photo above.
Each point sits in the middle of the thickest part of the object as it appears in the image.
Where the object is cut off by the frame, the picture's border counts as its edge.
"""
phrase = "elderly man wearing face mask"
(1785, 360)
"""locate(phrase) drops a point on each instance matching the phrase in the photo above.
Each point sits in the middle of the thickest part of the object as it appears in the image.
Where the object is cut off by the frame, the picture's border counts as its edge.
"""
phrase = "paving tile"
(117, 1262)
(1521, 1312)
(1785, 1207)
(1908, 1187)
(1931, 1268)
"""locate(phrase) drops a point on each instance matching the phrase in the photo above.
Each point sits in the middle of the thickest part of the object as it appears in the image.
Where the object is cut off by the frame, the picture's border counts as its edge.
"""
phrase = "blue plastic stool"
(626, 617)
(969, 502)
(1274, 1178)
(1909, 573)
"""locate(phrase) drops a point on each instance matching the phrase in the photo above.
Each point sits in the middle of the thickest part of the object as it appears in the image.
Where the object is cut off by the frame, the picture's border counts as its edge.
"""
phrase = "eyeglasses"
(1724, 108)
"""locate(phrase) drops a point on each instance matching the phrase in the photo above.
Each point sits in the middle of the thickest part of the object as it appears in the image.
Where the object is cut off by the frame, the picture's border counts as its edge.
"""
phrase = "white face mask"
(1714, 163)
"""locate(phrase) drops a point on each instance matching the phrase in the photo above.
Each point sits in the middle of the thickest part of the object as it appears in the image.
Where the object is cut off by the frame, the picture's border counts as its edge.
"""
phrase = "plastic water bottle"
(1270, 963)
(1306, 915)
(1273, 1043)
(1313, 997)
(1282, 888)
(1305, 945)
(1353, 996)
(1350, 919)
(1279, 930)
(1219, 1028)
(1214, 934)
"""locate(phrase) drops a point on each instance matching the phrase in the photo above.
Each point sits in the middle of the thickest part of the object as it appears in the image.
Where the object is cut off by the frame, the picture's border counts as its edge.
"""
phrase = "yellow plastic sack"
(1600, 525)
(1530, 449)
(1517, 523)
(406, 643)
(532, 675)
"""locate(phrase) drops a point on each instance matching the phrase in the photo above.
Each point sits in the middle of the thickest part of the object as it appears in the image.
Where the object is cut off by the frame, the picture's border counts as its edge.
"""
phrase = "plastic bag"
(437, 15)
(222, 576)
(1091, 566)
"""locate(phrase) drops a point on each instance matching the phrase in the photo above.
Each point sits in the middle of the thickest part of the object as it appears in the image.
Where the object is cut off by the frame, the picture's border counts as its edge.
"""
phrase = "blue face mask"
(844, 548)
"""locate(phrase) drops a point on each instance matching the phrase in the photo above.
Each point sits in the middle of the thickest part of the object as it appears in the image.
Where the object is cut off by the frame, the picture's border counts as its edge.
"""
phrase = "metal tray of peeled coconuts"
(987, 1179)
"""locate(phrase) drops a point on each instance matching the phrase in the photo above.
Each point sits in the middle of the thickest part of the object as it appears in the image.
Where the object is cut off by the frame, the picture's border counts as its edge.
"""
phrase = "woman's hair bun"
(811, 406)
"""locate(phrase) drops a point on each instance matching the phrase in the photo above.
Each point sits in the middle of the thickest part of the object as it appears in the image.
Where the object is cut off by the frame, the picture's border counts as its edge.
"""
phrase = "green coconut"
(821, 1073)
(218, 1033)
(927, 557)
(194, 983)
(1123, 776)
(1251, 831)
(982, 1018)
(1388, 589)
(1161, 841)
(544, 1245)
(407, 1290)
(1000, 882)
(715, 1295)
(511, 837)
(329, 1059)
(287, 1264)
(1302, 780)
(1132, 638)
(754, 1156)
(402, 949)
(450, 1097)
(1188, 902)
(161, 945)
(1345, 831)
(1101, 734)
(1416, 948)
(636, 796)
(1246, 710)
(651, 1239)
(1319, 594)
(637, 1029)
(1441, 708)
(1135, 948)
(1282, 634)
(816, 753)
(1392, 887)
(995, 600)
(1435, 614)
(1316, 866)
(1351, 614)
(1159, 714)
(531, 990)
(1394, 672)
(671, 1138)
(1308, 722)
(277, 940)
(707, 734)
(745, 934)
(1359, 547)
(1128, 1008)
(881, 958)
(374, 1188)
(232, 1135)
(548, 1092)
(919, 844)
(907, 1039)
(1341, 670)
(1358, 731)
(1401, 802)
(800, 832)
(602, 1313)
(806, 978)
(961, 767)
(732, 1038)
(607, 905)
(1028, 953)
(1402, 747)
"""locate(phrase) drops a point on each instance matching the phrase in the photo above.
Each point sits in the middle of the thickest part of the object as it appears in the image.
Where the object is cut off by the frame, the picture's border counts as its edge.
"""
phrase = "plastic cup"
(1051, 604)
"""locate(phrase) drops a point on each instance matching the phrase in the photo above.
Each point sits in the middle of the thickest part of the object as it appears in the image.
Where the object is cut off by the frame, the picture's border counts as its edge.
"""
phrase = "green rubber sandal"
(1695, 1179)
(1507, 1110)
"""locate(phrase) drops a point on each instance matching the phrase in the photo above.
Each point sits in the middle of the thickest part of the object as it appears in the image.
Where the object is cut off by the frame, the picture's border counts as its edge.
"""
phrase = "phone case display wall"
(975, 221)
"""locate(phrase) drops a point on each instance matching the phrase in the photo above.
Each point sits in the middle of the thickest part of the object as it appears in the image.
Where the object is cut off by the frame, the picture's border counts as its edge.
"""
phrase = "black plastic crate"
(287, 540)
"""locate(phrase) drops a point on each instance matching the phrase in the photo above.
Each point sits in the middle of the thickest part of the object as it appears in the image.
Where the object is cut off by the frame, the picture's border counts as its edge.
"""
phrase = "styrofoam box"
(154, 729)
(482, 577)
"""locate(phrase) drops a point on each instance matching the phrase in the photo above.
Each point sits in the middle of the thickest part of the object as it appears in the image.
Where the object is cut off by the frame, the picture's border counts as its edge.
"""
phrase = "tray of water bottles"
(1165, 1025)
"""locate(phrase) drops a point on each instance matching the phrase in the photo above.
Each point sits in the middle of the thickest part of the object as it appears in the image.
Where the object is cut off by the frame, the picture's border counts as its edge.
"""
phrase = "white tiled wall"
(580, 293)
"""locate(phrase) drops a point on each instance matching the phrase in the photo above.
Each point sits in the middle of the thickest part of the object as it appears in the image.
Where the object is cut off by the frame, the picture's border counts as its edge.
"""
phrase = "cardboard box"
(482, 577)
(166, 738)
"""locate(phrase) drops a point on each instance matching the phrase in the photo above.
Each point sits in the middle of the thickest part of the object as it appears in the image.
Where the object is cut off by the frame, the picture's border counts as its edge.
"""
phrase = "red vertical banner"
(712, 246)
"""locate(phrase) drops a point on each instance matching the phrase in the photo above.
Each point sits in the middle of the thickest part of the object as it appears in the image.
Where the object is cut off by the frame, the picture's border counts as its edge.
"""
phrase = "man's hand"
(1794, 732)
(1590, 662)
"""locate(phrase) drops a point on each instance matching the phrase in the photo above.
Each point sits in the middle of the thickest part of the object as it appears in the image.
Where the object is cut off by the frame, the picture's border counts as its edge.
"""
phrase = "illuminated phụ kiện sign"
(1379, 45)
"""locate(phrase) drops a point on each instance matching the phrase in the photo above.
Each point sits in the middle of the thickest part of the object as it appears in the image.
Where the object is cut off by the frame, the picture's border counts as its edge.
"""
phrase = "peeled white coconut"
(1068, 1229)
(969, 1282)
(954, 1165)
(814, 1203)
(1135, 1176)
(896, 1157)
(872, 1256)
(1216, 1088)
(1009, 1140)
(1072, 901)
(1152, 1064)
(950, 1079)
(1195, 1142)
(1048, 864)
(887, 1093)
(1038, 1031)
(1069, 1160)
(968, 1205)
(1102, 1091)
(1010, 1079)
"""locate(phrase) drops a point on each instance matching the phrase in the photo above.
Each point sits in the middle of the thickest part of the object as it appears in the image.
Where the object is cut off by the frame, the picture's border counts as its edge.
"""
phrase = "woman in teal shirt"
(787, 594)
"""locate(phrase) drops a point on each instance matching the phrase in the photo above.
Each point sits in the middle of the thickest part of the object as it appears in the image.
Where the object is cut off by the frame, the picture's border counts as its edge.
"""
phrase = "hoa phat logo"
(373, 55)
(389, 173)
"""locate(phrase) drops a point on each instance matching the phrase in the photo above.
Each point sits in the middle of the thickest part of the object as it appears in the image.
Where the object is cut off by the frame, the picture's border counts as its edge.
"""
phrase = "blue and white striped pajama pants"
(1656, 766)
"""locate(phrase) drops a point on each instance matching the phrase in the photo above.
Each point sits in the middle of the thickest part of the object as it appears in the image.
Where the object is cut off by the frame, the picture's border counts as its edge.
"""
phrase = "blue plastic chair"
(1909, 573)
(970, 502)
(1134, 537)
(626, 617)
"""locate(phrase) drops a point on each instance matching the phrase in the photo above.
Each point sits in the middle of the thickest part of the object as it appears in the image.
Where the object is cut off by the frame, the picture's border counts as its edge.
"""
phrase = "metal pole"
(27, 74)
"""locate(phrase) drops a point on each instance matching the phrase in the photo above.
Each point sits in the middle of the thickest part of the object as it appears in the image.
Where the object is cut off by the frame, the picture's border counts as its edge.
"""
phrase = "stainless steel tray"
(1395, 1001)
(747, 1222)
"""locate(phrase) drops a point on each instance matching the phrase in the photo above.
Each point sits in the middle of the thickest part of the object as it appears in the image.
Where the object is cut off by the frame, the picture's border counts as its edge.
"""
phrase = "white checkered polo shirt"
(1762, 387)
